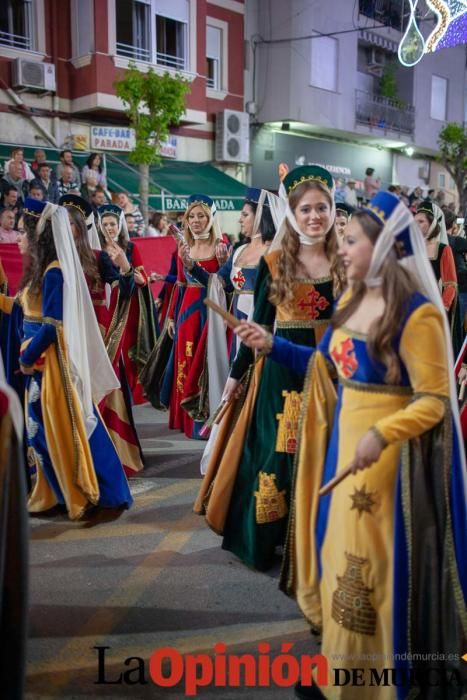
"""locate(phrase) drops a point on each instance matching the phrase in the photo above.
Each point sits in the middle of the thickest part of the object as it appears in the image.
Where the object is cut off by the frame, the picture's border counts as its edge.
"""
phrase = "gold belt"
(310, 323)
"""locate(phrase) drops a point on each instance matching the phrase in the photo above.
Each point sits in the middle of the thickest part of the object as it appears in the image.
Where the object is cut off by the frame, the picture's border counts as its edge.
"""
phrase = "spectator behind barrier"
(7, 226)
(45, 180)
(125, 203)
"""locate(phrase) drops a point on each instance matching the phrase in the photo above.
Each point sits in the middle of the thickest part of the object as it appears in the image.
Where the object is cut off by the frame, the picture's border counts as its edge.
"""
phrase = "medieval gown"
(239, 281)
(134, 328)
(72, 468)
(116, 408)
(186, 372)
(378, 563)
(256, 461)
(444, 267)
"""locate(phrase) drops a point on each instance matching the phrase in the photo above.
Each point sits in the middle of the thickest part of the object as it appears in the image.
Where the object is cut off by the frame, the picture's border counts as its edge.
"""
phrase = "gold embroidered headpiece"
(308, 173)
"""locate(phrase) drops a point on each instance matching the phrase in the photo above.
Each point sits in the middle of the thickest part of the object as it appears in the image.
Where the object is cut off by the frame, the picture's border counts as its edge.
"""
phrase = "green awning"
(170, 185)
(173, 181)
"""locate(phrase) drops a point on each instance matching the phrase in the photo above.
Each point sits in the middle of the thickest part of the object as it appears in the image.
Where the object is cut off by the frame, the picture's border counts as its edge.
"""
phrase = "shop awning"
(173, 181)
(170, 183)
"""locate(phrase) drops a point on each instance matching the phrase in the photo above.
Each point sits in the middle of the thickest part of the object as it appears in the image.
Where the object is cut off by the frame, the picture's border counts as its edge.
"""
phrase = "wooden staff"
(462, 390)
(337, 480)
(231, 321)
(215, 419)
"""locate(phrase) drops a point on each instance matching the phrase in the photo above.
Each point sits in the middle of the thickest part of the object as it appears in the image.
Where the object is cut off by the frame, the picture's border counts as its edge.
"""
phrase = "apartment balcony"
(143, 54)
(383, 114)
(16, 41)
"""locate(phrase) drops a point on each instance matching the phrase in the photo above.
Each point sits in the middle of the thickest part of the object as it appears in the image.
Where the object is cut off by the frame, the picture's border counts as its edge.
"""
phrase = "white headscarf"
(213, 223)
(102, 212)
(418, 264)
(90, 366)
(93, 236)
(277, 207)
(438, 218)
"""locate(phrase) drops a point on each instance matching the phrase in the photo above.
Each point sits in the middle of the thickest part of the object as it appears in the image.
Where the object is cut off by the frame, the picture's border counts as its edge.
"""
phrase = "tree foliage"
(153, 103)
(452, 141)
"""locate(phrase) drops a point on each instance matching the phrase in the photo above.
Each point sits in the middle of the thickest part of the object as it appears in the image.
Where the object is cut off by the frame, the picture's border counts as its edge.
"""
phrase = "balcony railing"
(141, 54)
(17, 41)
(384, 114)
(171, 61)
(137, 52)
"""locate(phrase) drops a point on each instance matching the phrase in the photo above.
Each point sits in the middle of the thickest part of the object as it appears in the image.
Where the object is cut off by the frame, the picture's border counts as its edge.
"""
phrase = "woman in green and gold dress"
(249, 474)
(378, 564)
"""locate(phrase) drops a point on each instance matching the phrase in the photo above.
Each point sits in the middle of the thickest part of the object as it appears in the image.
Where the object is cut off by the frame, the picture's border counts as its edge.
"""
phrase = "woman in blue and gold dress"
(67, 369)
(249, 475)
(378, 564)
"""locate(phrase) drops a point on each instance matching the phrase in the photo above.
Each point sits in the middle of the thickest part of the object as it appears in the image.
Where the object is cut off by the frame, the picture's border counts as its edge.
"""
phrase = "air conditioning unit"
(33, 76)
(233, 136)
(376, 61)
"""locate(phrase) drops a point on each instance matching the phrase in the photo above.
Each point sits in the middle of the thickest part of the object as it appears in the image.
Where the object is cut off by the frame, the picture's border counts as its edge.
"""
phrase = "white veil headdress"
(78, 203)
(438, 218)
(90, 366)
(119, 214)
(306, 173)
(93, 236)
(277, 207)
(213, 223)
(402, 232)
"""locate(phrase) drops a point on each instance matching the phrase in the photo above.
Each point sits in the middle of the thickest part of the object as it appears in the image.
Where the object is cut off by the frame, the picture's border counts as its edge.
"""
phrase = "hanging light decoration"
(451, 18)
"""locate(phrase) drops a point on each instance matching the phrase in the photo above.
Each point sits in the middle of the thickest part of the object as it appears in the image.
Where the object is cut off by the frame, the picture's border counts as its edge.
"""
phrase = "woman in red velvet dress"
(133, 329)
(430, 218)
(186, 376)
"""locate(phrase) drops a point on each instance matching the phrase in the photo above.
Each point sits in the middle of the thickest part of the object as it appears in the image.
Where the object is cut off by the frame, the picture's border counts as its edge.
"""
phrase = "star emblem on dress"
(363, 500)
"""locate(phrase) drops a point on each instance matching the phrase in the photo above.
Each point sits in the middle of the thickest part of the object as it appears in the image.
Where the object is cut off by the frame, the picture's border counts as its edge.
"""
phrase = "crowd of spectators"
(41, 181)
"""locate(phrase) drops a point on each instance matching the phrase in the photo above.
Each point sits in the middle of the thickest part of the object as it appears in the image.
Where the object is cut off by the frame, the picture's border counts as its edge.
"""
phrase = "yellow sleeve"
(6, 303)
(423, 352)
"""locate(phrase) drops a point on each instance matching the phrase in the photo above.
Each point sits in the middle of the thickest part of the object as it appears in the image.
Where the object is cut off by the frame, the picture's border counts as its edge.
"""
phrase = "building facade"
(59, 60)
(325, 85)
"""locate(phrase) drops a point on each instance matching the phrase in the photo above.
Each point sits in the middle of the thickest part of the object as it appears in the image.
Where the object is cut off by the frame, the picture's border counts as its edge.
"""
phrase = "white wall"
(283, 91)
(407, 171)
(447, 63)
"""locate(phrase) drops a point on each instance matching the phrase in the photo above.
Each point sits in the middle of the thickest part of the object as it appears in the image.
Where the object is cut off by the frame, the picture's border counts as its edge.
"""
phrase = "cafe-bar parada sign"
(112, 138)
(120, 138)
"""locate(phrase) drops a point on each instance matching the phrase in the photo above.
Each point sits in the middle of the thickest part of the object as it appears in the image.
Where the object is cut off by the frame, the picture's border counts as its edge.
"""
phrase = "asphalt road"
(154, 577)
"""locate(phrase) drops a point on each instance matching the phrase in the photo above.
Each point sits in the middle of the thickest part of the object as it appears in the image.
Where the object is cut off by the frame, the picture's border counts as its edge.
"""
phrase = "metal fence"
(383, 114)
(15, 40)
(142, 54)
